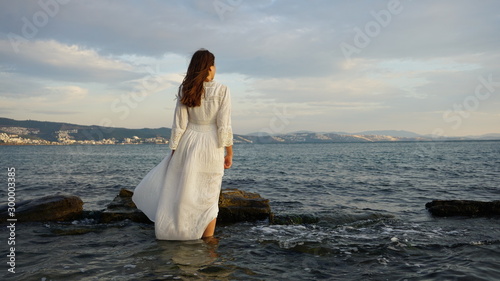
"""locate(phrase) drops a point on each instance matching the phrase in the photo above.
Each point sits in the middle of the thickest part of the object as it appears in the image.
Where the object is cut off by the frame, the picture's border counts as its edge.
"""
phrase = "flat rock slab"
(465, 208)
(48, 208)
(237, 205)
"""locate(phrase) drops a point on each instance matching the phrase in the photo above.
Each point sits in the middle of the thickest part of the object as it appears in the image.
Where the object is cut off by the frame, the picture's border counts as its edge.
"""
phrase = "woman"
(181, 193)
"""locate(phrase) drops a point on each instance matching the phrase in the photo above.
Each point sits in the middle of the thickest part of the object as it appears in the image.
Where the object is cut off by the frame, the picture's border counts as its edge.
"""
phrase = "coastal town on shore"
(27, 136)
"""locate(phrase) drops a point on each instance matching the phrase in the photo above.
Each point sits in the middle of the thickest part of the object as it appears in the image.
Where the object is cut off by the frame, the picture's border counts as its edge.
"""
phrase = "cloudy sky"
(431, 67)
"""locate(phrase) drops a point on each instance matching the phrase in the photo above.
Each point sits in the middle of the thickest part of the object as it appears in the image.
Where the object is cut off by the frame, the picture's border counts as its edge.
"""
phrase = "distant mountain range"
(393, 133)
(58, 132)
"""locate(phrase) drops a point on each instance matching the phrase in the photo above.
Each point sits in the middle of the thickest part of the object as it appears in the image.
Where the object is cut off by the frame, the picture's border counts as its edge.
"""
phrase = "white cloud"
(69, 56)
(65, 94)
(54, 60)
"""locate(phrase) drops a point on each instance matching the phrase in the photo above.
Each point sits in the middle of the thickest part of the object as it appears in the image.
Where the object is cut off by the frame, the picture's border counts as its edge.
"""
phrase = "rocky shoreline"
(234, 206)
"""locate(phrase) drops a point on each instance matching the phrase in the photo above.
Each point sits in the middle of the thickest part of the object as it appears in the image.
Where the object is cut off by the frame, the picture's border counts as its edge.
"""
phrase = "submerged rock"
(121, 208)
(290, 219)
(48, 208)
(466, 208)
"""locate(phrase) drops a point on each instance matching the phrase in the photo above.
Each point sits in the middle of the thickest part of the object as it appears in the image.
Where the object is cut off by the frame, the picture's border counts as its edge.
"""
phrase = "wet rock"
(121, 208)
(237, 205)
(234, 206)
(466, 208)
(48, 208)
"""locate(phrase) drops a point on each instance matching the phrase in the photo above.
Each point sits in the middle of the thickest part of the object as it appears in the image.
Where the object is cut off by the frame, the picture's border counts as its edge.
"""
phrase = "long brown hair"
(192, 85)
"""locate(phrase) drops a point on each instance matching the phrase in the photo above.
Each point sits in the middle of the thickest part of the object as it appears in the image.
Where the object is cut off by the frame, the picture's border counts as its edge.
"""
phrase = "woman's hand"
(228, 161)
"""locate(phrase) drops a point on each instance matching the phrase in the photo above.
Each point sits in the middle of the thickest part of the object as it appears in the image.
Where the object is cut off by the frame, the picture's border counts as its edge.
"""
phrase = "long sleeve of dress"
(179, 125)
(225, 131)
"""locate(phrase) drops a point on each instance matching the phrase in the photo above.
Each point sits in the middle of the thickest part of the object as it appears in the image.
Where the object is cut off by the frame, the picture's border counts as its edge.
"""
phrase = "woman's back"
(211, 103)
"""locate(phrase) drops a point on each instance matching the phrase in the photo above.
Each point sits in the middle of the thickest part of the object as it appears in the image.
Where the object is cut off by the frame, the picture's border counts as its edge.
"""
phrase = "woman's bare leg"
(209, 231)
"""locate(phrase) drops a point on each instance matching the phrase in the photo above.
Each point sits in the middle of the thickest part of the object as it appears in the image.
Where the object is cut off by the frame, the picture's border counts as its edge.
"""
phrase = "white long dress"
(181, 193)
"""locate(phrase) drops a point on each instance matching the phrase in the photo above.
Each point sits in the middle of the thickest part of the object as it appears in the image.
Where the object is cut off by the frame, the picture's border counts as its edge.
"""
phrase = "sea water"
(368, 201)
